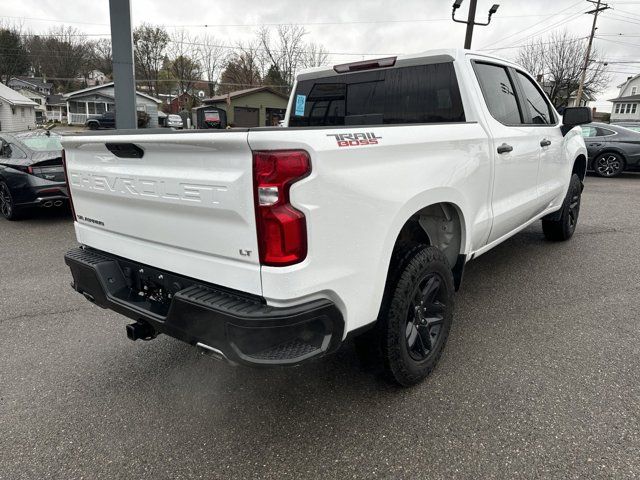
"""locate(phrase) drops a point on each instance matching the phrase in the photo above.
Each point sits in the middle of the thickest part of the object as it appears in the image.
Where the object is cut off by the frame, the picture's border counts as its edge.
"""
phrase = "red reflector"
(282, 230)
(66, 177)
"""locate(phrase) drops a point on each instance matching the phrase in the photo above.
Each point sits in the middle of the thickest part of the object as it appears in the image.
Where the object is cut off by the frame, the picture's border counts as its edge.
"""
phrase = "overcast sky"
(363, 28)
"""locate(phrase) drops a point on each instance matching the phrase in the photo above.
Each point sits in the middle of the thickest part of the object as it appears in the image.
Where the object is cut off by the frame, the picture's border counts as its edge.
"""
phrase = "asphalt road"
(540, 379)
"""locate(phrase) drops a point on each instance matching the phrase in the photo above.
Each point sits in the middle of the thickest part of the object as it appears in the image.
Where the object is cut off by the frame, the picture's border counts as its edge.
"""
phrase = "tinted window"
(418, 94)
(539, 110)
(604, 132)
(589, 131)
(499, 93)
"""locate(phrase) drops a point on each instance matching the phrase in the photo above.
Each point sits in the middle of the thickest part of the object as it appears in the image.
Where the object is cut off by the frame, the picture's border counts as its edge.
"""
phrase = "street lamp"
(471, 19)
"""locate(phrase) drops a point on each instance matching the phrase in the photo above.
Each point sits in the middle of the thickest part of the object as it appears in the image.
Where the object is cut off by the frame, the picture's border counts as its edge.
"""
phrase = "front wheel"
(415, 318)
(562, 227)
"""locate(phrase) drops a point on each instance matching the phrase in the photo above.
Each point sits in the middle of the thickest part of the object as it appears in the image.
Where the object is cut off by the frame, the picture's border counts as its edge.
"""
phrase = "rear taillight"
(282, 230)
(66, 178)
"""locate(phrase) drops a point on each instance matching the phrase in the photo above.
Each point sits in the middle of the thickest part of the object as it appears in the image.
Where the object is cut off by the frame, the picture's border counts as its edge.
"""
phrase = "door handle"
(504, 148)
(545, 143)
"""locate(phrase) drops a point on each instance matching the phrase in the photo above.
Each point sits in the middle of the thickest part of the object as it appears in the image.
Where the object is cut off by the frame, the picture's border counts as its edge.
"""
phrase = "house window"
(22, 112)
(92, 107)
(634, 90)
(628, 108)
(617, 108)
(633, 107)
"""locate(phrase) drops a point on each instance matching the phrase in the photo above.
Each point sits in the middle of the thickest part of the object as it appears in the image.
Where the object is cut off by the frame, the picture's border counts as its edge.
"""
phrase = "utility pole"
(595, 12)
(123, 81)
(471, 19)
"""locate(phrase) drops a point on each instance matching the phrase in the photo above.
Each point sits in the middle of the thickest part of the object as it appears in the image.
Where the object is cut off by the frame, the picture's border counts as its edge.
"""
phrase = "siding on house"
(106, 93)
(262, 99)
(626, 108)
(17, 112)
(18, 119)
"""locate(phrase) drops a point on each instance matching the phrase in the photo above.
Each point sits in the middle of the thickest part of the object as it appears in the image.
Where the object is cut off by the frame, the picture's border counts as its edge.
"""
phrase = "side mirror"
(575, 116)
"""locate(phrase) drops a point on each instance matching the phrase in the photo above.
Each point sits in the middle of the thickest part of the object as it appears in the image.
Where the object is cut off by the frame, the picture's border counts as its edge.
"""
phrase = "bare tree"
(14, 59)
(245, 68)
(314, 56)
(64, 55)
(557, 62)
(212, 56)
(286, 51)
(102, 57)
(149, 44)
(184, 64)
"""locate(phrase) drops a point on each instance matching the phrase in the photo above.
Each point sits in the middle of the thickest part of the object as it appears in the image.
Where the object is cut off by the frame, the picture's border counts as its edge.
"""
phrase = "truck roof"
(420, 58)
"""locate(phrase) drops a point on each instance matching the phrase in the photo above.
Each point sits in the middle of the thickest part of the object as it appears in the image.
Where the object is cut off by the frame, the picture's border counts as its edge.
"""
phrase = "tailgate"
(185, 206)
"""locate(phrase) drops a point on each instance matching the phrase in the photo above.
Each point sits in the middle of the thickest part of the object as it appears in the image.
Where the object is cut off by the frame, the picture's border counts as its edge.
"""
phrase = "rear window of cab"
(403, 95)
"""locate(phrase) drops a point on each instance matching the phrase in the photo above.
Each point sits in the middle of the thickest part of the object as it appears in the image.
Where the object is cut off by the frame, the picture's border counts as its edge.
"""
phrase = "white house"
(37, 84)
(626, 107)
(94, 101)
(56, 108)
(17, 112)
(40, 99)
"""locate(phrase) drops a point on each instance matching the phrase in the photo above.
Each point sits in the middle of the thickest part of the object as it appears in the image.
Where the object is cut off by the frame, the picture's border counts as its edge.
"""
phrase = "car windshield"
(41, 142)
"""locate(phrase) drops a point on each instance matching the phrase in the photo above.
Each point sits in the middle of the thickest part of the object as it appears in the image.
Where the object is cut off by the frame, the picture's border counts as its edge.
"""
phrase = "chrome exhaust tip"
(57, 203)
(47, 204)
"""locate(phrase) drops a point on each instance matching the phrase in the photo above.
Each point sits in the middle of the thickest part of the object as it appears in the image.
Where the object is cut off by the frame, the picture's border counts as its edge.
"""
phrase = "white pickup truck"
(271, 246)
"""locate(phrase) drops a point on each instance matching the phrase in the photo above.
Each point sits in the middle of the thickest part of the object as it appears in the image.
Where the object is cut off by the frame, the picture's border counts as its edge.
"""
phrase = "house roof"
(35, 81)
(242, 93)
(628, 98)
(105, 85)
(12, 97)
(56, 99)
(623, 84)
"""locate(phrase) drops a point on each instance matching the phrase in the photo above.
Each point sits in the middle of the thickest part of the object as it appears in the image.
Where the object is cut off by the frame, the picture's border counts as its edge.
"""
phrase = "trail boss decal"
(355, 139)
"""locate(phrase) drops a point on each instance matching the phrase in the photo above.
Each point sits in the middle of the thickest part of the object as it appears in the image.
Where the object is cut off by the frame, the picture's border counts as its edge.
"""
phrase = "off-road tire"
(386, 345)
(562, 227)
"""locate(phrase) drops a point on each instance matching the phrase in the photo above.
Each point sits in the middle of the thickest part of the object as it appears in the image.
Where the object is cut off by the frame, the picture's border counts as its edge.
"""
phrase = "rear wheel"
(415, 318)
(93, 126)
(562, 227)
(608, 164)
(7, 207)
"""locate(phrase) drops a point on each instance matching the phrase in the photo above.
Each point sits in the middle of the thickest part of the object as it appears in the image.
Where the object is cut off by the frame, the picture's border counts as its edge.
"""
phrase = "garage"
(246, 116)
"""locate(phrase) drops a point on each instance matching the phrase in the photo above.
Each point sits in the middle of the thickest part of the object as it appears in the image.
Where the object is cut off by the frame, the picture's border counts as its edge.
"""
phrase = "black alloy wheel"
(425, 316)
(6, 202)
(608, 165)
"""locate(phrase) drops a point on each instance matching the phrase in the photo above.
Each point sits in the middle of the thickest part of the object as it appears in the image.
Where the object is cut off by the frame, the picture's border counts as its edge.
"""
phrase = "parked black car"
(31, 172)
(105, 120)
(612, 149)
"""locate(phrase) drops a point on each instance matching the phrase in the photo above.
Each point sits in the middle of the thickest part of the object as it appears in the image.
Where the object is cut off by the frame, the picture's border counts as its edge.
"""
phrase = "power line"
(274, 24)
(534, 25)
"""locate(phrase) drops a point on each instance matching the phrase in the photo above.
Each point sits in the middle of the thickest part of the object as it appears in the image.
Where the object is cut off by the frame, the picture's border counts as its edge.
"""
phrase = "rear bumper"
(237, 326)
(32, 191)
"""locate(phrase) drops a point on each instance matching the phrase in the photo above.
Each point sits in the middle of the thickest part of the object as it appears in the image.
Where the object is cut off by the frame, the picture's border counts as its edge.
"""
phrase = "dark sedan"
(31, 172)
(612, 149)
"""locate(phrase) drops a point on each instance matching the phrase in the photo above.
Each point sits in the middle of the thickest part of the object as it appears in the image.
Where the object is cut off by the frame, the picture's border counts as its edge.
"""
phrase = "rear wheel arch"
(441, 225)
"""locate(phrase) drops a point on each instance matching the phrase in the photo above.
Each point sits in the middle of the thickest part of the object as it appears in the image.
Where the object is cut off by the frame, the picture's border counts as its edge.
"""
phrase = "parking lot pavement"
(541, 376)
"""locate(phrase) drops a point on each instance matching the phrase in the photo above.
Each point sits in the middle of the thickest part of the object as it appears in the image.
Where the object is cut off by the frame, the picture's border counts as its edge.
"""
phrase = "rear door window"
(416, 94)
(499, 93)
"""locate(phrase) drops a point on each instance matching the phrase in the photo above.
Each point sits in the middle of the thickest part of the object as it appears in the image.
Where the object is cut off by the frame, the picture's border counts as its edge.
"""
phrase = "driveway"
(540, 379)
